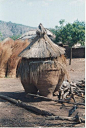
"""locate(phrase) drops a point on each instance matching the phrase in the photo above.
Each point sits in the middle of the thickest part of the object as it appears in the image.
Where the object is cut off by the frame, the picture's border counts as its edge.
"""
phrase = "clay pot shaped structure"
(42, 66)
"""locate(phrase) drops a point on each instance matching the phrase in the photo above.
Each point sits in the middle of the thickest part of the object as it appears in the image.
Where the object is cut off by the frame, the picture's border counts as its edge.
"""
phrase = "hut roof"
(30, 35)
(42, 46)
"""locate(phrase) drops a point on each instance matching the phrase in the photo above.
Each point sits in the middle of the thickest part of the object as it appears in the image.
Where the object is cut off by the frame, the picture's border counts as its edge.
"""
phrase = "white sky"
(47, 12)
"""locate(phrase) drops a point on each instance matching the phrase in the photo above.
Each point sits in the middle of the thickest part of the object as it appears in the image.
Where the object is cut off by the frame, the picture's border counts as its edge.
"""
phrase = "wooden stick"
(60, 118)
(42, 97)
(26, 106)
(49, 99)
(72, 110)
(81, 120)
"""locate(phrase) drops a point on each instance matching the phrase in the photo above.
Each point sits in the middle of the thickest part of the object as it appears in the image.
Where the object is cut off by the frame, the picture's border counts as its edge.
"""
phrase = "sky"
(47, 12)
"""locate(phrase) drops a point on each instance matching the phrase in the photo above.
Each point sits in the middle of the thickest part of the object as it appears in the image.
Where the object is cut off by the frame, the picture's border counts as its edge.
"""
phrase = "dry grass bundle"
(0, 48)
(8, 41)
(62, 61)
(5, 53)
(34, 68)
(14, 59)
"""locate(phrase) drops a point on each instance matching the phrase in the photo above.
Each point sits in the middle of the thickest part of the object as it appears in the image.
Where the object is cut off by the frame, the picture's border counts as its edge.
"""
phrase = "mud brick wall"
(67, 54)
(76, 52)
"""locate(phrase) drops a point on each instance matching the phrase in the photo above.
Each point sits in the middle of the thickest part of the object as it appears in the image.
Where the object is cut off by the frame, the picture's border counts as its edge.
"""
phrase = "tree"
(70, 34)
(61, 22)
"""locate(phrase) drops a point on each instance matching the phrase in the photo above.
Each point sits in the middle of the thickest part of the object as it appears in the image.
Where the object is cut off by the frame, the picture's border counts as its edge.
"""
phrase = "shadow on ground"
(21, 96)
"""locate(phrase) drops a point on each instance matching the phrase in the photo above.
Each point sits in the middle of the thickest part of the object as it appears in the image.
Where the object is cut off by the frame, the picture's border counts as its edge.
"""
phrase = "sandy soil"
(76, 70)
(14, 116)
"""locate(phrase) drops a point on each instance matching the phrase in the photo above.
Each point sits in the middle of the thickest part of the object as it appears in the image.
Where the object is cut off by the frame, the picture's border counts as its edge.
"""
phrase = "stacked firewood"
(69, 90)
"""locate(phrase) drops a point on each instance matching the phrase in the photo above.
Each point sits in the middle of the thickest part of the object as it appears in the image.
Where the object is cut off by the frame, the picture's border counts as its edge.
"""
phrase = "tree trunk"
(70, 56)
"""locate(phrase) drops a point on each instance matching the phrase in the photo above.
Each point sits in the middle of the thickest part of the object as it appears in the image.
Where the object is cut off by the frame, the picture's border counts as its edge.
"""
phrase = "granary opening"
(42, 66)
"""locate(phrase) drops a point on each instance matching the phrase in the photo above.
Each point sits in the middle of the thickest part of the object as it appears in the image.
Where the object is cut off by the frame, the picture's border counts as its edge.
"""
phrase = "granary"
(42, 66)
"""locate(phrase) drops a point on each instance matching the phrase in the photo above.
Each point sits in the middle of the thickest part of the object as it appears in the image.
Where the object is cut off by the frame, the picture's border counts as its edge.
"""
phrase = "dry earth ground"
(14, 116)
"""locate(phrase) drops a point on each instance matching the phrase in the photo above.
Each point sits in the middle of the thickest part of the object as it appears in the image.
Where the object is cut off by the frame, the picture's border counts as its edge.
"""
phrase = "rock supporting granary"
(42, 65)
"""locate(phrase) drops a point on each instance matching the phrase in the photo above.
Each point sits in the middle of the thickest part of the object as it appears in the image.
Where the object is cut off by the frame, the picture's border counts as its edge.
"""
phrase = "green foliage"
(53, 31)
(62, 22)
(70, 34)
(0, 34)
(14, 37)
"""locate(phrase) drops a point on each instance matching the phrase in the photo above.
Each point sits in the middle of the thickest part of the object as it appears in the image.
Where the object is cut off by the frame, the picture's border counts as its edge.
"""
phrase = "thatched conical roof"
(31, 34)
(42, 46)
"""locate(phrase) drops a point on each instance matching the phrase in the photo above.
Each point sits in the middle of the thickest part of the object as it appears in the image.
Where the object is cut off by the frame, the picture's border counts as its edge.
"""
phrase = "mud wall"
(76, 52)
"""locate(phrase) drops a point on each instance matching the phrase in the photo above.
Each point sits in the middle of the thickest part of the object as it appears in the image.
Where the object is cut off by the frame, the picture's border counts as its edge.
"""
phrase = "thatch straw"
(45, 76)
(14, 59)
(8, 41)
(1, 48)
(5, 53)
(42, 47)
(31, 34)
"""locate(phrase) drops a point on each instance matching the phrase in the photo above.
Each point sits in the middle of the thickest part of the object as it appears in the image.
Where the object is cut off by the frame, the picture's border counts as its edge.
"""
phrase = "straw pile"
(0, 48)
(8, 41)
(14, 59)
(42, 65)
(5, 53)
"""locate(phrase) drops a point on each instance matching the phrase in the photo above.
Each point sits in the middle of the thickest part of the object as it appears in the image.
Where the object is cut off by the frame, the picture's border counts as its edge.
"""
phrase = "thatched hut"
(14, 60)
(42, 65)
